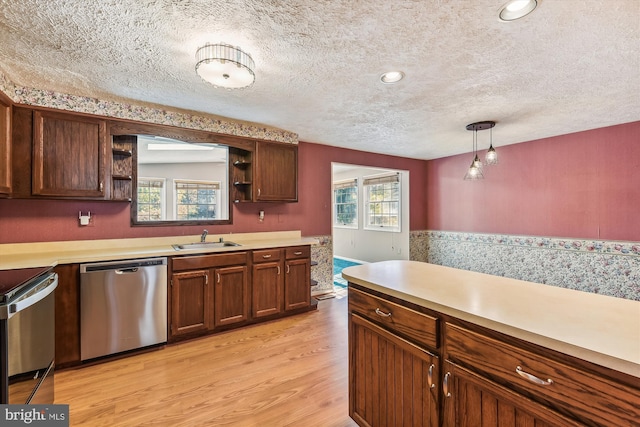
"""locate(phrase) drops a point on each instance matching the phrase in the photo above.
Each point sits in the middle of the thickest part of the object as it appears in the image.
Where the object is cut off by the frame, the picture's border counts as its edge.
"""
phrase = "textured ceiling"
(571, 65)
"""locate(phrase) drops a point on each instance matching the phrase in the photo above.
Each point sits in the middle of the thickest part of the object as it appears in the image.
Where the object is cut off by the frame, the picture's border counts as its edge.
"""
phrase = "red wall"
(580, 185)
(55, 220)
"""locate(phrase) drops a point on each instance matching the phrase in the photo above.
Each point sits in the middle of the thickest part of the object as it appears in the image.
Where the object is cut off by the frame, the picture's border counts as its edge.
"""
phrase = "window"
(196, 199)
(151, 199)
(345, 201)
(382, 202)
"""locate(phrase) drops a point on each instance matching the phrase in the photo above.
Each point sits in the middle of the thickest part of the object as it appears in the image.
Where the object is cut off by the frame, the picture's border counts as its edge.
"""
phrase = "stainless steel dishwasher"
(123, 306)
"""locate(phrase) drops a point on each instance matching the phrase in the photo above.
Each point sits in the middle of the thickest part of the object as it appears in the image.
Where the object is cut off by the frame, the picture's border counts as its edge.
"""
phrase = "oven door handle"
(8, 311)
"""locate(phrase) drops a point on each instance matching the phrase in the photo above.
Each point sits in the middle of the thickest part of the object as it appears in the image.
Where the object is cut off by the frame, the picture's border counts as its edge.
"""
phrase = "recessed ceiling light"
(391, 77)
(516, 9)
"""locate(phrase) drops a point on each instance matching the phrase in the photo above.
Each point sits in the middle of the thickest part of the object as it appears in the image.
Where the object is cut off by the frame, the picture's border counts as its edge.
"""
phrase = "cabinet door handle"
(206, 279)
(382, 313)
(266, 256)
(101, 185)
(258, 192)
(430, 376)
(278, 270)
(218, 274)
(297, 253)
(445, 385)
(288, 269)
(532, 377)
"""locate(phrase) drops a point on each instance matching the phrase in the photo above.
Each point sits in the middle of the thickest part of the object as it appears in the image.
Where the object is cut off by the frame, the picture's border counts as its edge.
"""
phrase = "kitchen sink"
(203, 245)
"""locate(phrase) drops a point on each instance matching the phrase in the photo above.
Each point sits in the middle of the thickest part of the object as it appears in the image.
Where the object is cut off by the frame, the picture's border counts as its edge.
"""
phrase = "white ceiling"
(571, 65)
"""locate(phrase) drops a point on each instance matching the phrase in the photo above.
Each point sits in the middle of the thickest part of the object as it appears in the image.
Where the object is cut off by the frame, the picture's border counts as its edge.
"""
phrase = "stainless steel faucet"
(203, 237)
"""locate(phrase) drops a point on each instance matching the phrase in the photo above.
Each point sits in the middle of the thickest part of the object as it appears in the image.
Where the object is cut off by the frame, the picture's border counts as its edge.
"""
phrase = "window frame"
(176, 203)
(377, 180)
(346, 184)
(163, 198)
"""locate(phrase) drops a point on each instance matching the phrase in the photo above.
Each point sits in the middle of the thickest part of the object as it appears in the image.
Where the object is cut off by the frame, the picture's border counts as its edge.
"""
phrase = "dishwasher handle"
(129, 270)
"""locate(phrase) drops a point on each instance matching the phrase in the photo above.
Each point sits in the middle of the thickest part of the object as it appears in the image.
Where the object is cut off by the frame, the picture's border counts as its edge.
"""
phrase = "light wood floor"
(291, 372)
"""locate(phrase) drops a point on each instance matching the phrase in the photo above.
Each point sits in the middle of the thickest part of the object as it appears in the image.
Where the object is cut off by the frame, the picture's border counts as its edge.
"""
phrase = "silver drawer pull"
(297, 253)
(533, 378)
(266, 256)
(430, 376)
(445, 385)
(382, 313)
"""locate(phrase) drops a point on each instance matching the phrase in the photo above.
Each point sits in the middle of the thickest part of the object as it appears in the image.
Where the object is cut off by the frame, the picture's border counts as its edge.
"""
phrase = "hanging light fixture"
(491, 158)
(225, 66)
(475, 169)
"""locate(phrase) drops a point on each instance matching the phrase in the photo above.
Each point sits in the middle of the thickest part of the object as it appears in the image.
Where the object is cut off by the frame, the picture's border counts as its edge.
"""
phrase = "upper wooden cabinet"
(5, 146)
(276, 172)
(69, 155)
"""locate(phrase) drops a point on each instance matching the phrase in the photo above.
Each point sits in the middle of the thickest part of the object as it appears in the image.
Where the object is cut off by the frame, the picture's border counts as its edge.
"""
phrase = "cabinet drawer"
(298, 252)
(266, 255)
(586, 396)
(207, 261)
(405, 322)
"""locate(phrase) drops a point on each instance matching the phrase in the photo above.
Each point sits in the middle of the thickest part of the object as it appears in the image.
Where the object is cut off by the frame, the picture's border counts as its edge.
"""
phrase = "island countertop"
(600, 329)
(50, 254)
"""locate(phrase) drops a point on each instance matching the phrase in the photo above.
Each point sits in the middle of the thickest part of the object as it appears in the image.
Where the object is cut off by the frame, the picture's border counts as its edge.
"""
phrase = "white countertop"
(45, 254)
(600, 329)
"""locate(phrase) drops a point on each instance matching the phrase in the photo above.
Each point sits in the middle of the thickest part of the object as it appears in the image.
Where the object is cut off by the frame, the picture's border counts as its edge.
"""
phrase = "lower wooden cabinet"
(471, 400)
(191, 302)
(297, 282)
(231, 296)
(268, 283)
(412, 366)
(392, 381)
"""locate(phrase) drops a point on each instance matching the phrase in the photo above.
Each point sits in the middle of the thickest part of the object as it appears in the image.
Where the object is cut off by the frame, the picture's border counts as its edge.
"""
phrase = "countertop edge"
(601, 358)
(52, 258)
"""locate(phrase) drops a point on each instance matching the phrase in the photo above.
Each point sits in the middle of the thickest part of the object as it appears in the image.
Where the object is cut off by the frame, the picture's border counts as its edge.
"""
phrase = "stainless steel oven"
(27, 336)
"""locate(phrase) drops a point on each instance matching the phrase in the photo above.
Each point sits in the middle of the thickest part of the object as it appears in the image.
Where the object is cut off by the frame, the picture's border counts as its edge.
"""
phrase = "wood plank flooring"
(290, 372)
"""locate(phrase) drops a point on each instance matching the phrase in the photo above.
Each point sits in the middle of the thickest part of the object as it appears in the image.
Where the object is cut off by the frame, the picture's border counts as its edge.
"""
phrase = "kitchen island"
(479, 342)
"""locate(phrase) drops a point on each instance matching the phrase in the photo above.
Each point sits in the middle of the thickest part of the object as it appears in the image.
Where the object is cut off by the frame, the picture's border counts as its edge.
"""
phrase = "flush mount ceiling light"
(391, 77)
(516, 9)
(225, 66)
(475, 169)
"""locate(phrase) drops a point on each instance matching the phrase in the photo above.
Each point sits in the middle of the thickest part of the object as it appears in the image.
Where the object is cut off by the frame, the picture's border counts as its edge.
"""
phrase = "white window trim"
(163, 199)
(195, 181)
(382, 228)
(355, 226)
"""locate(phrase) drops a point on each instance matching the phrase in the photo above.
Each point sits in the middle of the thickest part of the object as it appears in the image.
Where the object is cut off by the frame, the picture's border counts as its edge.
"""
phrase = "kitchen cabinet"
(392, 381)
(69, 156)
(5, 146)
(241, 171)
(208, 291)
(191, 302)
(297, 282)
(471, 400)
(231, 298)
(123, 151)
(268, 282)
(479, 376)
(67, 312)
(276, 172)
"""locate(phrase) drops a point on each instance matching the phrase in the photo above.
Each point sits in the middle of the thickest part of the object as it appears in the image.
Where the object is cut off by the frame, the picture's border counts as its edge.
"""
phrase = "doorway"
(370, 216)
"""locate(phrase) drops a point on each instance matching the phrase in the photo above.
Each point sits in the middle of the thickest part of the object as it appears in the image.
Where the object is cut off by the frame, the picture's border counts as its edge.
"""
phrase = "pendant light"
(475, 169)
(491, 158)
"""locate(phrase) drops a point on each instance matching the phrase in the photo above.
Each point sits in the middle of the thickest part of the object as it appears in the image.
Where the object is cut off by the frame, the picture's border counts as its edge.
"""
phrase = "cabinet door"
(5, 146)
(69, 155)
(297, 283)
(67, 314)
(267, 289)
(276, 172)
(191, 302)
(231, 295)
(471, 400)
(392, 382)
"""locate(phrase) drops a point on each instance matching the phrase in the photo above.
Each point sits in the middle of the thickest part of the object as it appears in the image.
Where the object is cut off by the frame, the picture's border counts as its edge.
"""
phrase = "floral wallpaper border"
(604, 267)
(83, 104)
(557, 243)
